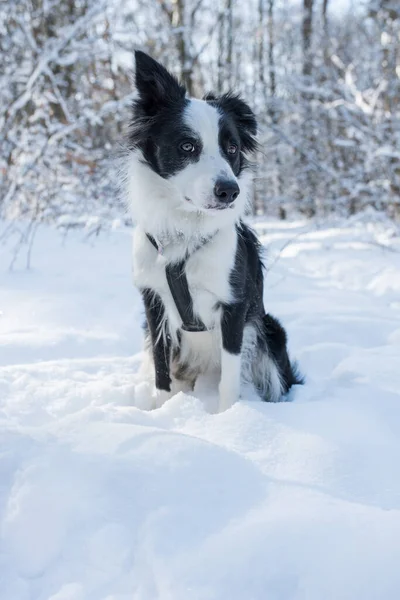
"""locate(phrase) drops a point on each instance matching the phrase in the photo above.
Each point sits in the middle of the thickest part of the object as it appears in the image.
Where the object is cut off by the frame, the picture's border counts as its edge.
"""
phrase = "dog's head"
(199, 146)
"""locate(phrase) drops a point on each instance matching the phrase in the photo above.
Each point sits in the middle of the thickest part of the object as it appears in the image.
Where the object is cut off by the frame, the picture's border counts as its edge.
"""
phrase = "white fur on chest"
(207, 269)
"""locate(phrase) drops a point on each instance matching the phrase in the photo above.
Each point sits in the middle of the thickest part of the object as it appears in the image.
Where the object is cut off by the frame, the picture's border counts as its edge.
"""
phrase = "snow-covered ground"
(100, 500)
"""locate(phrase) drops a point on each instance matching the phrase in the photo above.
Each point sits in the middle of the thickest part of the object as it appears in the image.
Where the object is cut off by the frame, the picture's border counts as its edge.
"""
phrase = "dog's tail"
(276, 339)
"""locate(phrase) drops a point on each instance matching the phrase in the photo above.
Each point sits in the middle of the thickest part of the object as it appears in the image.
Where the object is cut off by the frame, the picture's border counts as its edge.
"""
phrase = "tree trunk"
(229, 42)
(221, 51)
(325, 26)
(325, 13)
(180, 21)
(307, 36)
(261, 46)
(271, 51)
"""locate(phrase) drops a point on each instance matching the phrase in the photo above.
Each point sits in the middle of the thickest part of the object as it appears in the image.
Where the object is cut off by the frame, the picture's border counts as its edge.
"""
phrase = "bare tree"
(181, 16)
(307, 36)
(261, 47)
(229, 39)
(271, 55)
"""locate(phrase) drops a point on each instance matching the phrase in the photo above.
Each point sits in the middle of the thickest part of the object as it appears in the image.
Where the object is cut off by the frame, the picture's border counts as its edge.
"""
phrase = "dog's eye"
(187, 147)
(232, 149)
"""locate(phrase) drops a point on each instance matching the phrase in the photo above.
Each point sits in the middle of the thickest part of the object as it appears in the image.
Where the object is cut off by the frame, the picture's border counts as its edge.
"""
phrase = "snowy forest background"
(324, 82)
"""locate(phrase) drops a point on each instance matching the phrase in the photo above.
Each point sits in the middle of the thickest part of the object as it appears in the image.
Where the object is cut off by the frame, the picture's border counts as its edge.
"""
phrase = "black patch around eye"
(229, 137)
(239, 119)
(160, 137)
(171, 157)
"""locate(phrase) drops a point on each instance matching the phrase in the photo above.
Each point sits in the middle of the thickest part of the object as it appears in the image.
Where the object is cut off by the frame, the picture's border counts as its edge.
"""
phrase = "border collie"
(195, 261)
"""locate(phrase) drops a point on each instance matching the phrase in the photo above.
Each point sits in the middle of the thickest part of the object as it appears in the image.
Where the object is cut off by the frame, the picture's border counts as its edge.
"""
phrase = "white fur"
(229, 387)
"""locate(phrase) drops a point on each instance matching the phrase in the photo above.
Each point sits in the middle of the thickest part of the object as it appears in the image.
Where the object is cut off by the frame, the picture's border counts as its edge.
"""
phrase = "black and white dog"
(195, 261)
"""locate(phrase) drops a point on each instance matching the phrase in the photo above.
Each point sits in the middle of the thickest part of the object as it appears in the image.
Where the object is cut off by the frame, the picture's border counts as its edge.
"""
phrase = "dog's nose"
(226, 191)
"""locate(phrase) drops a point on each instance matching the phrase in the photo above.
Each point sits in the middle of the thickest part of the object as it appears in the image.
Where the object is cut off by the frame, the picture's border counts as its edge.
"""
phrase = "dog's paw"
(227, 398)
(160, 397)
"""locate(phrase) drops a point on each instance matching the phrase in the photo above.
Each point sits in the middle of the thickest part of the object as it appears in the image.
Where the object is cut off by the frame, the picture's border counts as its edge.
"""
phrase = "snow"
(101, 500)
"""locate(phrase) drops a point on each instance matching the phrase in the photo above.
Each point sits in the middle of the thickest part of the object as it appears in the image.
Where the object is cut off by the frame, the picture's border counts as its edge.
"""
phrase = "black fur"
(161, 346)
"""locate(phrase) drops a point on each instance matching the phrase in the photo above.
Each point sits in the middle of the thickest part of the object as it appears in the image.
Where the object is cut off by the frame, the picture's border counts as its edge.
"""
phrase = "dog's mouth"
(218, 206)
(221, 206)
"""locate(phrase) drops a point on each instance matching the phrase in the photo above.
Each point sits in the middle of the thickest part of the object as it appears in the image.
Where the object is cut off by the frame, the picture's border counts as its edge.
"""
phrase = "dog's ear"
(156, 87)
(244, 118)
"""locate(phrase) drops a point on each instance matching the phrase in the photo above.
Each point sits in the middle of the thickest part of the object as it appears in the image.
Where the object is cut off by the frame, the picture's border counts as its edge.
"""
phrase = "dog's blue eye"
(187, 147)
(232, 149)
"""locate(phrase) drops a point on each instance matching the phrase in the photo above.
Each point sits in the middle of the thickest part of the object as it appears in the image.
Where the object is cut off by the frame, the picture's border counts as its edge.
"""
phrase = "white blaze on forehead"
(203, 118)
(196, 180)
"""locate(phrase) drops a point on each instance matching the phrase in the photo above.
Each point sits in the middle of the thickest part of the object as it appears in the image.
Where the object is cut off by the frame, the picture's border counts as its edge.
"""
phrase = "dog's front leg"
(161, 346)
(232, 326)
